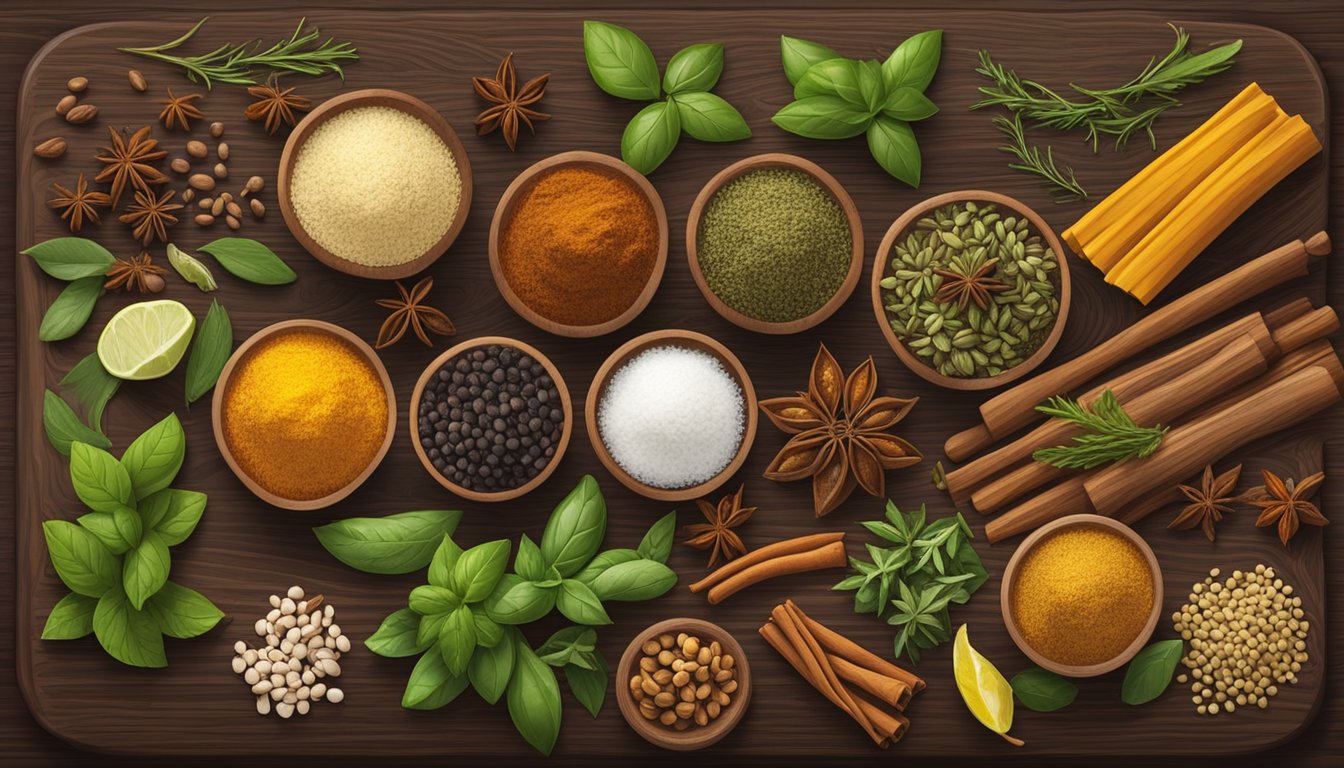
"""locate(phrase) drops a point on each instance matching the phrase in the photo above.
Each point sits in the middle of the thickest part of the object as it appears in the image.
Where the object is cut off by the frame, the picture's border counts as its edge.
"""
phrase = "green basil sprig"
(839, 98)
(399, 543)
(1042, 690)
(1150, 671)
(250, 260)
(210, 351)
(622, 65)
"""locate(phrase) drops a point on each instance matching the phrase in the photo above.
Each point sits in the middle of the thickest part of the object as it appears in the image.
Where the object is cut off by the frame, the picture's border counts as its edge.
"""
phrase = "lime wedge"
(146, 340)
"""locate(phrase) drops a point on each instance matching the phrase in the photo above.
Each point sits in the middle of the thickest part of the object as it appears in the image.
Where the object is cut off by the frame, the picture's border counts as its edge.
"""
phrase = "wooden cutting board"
(245, 550)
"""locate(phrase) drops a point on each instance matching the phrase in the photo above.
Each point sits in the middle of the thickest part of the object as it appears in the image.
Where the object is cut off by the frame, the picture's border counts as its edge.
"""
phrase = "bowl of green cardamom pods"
(971, 289)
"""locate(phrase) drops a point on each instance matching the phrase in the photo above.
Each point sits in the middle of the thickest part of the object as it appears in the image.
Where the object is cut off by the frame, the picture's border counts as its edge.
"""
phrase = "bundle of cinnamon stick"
(866, 687)
(805, 553)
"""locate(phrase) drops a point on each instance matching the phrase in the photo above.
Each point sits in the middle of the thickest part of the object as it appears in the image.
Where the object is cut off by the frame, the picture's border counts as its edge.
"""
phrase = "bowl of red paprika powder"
(578, 244)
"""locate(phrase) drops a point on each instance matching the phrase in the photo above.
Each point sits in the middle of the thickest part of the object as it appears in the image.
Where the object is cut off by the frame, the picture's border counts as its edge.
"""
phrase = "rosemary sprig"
(238, 64)
(1031, 160)
(1111, 434)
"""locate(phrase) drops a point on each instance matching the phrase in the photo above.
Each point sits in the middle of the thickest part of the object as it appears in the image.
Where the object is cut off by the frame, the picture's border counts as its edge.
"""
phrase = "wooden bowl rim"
(671, 337)
(691, 738)
(523, 182)
(372, 97)
(911, 360)
(226, 376)
(565, 430)
(1041, 534)
(837, 192)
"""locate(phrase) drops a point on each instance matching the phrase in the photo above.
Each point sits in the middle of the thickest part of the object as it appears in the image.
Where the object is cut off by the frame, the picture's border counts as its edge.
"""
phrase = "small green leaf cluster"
(1148, 675)
(838, 98)
(622, 65)
(913, 583)
(83, 264)
(115, 560)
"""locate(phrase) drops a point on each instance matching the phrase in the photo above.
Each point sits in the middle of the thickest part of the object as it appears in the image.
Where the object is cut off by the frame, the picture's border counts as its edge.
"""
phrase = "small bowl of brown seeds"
(683, 684)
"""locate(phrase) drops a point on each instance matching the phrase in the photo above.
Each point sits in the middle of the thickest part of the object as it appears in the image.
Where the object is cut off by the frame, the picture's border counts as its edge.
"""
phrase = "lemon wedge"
(986, 693)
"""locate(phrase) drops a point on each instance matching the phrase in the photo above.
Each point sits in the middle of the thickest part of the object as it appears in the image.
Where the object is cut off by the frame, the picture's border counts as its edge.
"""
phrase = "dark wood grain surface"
(244, 550)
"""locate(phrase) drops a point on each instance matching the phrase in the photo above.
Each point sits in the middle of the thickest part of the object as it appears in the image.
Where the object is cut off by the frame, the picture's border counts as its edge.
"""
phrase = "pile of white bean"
(303, 644)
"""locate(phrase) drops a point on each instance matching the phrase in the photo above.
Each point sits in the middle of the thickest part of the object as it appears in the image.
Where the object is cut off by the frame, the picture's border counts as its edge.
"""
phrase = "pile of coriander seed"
(303, 646)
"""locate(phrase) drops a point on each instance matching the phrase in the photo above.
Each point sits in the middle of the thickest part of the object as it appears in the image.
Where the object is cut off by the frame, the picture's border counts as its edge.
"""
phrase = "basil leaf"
(822, 117)
(154, 458)
(522, 602)
(92, 387)
(104, 528)
(488, 631)
(534, 699)
(528, 562)
(429, 600)
(490, 670)
(396, 636)
(72, 258)
(1149, 673)
(129, 526)
(173, 514)
(210, 351)
(1042, 690)
(651, 136)
(635, 580)
(604, 561)
(657, 543)
(832, 77)
(561, 647)
(441, 566)
(579, 604)
(63, 427)
(129, 636)
(479, 570)
(589, 686)
(250, 260)
(798, 54)
(71, 309)
(99, 479)
(906, 103)
(575, 529)
(398, 543)
(427, 634)
(182, 612)
(914, 61)
(707, 117)
(892, 143)
(81, 561)
(619, 61)
(693, 69)
(431, 685)
(457, 640)
(70, 619)
(145, 570)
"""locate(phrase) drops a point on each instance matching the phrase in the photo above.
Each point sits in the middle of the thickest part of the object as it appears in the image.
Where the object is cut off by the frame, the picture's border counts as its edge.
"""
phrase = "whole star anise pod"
(967, 282)
(1209, 502)
(128, 163)
(178, 111)
(717, 533)
(1284, 503)
(80, 205)
(150, 216)
(839, 433)
(511, 104)
(138, 273)
(410, 312)
(274, 105)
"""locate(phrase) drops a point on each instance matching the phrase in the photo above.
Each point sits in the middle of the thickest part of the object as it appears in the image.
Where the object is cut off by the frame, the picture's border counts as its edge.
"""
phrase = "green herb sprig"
(1111, 435)
(1031, 160)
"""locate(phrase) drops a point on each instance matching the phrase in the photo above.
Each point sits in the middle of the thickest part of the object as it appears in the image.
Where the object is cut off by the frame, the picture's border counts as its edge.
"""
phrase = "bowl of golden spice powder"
(578, 244)
(1082, 595)
(374, 183)
(303, 413)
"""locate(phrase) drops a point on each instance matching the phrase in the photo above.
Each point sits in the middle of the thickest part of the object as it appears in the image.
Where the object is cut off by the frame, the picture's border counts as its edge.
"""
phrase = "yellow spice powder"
(304, 414)
(1082, 596)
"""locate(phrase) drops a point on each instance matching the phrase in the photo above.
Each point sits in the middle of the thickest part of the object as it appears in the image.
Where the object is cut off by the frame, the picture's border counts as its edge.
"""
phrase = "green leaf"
(129, 636)
(191, 269)
(619, 61)
(837, 77)
(173, 514)
(605, 560)
(431, 685)
(915, 61)
(427, 634)
(397, 635)
(398, 543)
(71, 309)
(488, 631)
(575, 528)
(657, 542)
(798, 55)
(1108, 434)
(92, 387)
(534, 699)
(893, 145)
(429, 600)
(822, 117)
(694, 69)
(103, 526)
(520, 602)
(210, 351)
(528, 563)
(81, 561)
(490, 670)
(635, 580)
(100, 481)
(250, 260)
(1149, 673)
(1042, 690)
(70, 619)
(589, 686)
(63, 427)
(579, 604)
(457, 640)
(441, 565)
(651, 136)
(72, 258)
(145, 570)
(567, 644)
(906, 103)
(707, 117)
(154, 458)
(479, 570)
(182, 612)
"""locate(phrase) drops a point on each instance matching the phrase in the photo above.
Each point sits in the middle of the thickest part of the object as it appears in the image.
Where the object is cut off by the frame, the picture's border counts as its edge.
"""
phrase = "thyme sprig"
(1111, 435)
(1033, 161)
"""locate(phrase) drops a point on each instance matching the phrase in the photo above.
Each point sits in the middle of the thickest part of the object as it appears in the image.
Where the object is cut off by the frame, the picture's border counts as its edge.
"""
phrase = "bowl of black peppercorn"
(491, 418)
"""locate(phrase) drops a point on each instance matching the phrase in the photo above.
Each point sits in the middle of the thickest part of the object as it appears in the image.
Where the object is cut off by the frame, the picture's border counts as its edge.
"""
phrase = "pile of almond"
(683, 681)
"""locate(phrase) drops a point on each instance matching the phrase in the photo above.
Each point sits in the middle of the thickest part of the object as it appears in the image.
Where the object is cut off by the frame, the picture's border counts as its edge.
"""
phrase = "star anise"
(179, 110)
(1209, 502)
(1284, 503)
(966, 282)
(839, 433)
(410, 312)
(79, 206)
(275, 105)
(717, 534)
(150, 216)
(138, 273)
(511, 104)
(128, 163)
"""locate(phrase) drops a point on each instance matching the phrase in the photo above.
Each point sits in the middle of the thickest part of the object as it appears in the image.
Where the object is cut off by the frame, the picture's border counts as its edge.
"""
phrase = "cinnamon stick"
(891, 725)
(1015, 408)
(1066, 498)
(842, 646)
(820, 669)
(891, 692)
(756, 556)
(829, 556)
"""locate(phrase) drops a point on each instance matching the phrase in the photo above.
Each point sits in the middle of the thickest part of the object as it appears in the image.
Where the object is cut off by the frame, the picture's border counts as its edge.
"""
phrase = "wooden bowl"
(882, 262)
(1073, 522)
(372, 97)
(565, 429)
(222, 386)
(664, 338)
(514, 194)
(837, 193)
(694, 737)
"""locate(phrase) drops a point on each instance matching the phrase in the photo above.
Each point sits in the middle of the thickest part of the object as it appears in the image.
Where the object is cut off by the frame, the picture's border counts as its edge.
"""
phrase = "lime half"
(146, 340)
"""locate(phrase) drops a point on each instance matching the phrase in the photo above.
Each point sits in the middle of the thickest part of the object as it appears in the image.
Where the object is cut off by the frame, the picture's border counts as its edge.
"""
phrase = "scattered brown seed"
(81, 113)
(188, 195)
(206, 203)
(197, 149)
(233, 223)
(258, 209)
(66, 104)
(137, 80)
(180, 165)
(221, 171)
(202, 182)
(77, 84)
(216, 129)
(50, 149)
(205, 219)
(255, 184)
(217, 207)
(222, 150)
(234, 209)
(154, 283)
(228, 197)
